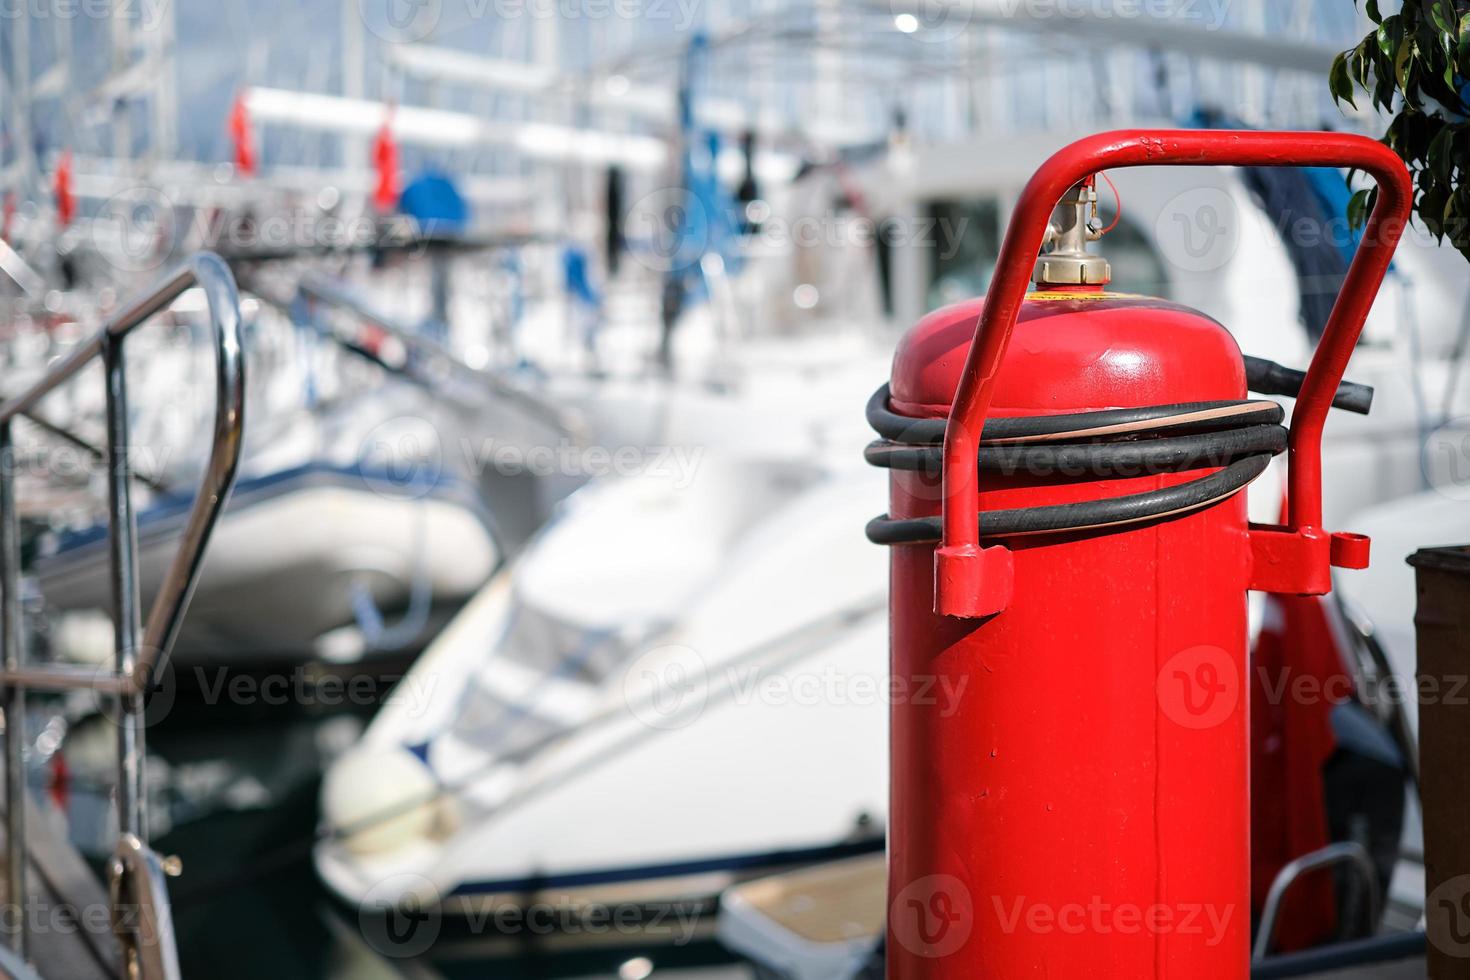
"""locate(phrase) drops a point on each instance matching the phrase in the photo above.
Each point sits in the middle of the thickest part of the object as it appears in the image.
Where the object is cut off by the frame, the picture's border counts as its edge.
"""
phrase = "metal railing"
(1349, 854)
(142, 646)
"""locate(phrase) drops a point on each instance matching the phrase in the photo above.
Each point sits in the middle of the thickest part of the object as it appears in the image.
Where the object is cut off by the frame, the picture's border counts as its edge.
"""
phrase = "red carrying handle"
(971, 581)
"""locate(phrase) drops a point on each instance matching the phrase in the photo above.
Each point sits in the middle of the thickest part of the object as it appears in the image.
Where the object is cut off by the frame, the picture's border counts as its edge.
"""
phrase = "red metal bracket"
(973, 581)
(1301, 562)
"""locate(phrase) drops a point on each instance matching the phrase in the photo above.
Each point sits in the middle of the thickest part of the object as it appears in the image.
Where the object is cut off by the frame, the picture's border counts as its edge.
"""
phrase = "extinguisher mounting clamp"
(972, 581)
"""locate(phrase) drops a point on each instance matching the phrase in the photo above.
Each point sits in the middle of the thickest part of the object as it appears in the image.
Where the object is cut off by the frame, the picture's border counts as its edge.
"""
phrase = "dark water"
(249, 904)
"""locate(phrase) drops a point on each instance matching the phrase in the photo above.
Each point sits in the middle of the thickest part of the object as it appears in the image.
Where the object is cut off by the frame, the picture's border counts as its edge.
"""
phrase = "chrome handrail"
(1349, 853)
(142, 647)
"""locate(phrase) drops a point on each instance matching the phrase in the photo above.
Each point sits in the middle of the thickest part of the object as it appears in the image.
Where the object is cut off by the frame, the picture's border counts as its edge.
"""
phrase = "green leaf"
(1431, 207)
(1388, 35)
(1341, 83)
(1359, 63)
(1416, 58)
(1383, 90)
(1441, 20)
(1402, 64)
(1357, 209)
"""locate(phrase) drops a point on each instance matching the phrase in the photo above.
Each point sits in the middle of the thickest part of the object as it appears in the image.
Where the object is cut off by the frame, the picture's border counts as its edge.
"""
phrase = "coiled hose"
(1235, 438)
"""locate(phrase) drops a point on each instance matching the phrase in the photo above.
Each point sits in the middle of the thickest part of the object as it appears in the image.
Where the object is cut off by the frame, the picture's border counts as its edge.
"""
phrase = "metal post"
(126, 610)
(14, 696)
(1442, 629)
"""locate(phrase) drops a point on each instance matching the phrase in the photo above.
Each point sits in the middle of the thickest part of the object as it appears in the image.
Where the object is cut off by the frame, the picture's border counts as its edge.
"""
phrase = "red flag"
(66, 203)
(244, 138)
(8, 216)
(385, 162)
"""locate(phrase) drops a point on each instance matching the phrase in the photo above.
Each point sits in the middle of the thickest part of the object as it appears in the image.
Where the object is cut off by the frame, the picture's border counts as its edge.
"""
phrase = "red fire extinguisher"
(1069, 540)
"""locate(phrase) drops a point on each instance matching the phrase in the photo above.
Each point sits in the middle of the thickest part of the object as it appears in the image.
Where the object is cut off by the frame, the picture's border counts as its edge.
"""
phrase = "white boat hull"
(284, 563)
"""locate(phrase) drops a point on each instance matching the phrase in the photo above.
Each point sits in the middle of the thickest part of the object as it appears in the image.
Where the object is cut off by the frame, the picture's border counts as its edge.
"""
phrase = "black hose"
(1234, 439)
(1112, 459)
(1183, 417)
(1109, 512)
(1269, 378)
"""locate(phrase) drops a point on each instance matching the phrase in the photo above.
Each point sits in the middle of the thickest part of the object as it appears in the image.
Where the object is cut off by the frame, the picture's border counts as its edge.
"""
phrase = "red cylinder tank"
(1080, 808)
(1102, 722)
